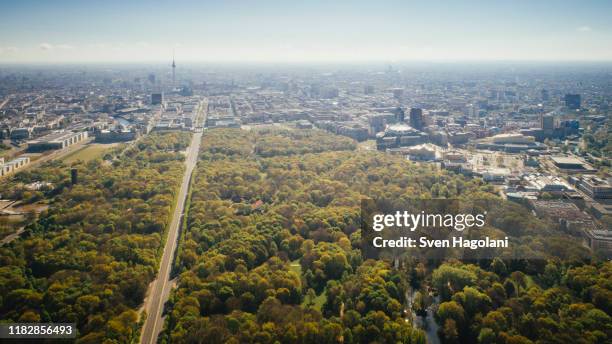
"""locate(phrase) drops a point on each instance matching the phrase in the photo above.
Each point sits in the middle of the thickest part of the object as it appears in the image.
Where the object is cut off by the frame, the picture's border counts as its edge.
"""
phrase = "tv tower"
(173, 70)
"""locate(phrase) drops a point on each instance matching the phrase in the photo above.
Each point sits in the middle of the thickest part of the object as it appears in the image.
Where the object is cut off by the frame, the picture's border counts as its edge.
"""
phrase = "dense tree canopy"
(89, 258)
(270, 251)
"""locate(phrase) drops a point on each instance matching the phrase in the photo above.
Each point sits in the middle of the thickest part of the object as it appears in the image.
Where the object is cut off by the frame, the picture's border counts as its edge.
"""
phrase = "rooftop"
(54, 137)
(566, 160)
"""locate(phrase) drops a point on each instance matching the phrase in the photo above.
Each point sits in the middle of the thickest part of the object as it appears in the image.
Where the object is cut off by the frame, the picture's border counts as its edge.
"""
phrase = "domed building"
(399, 135)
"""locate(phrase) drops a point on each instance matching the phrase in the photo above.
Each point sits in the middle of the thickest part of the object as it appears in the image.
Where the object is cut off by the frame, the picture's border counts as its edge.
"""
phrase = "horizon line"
(302, 62)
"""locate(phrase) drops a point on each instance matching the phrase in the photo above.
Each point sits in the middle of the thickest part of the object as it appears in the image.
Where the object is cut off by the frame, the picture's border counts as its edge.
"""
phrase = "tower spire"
(173, 70)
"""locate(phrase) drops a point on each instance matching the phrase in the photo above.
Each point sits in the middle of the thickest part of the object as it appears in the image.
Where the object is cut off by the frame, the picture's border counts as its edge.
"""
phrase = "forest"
(270, 254)
(89, 258)
(270, 250)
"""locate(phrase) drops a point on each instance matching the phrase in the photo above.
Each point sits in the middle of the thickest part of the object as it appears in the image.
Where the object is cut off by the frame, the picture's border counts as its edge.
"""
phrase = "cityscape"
(177, 200)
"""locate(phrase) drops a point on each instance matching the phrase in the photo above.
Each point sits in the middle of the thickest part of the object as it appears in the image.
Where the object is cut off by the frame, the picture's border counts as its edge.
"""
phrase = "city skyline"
(270, 31)
(212, 172)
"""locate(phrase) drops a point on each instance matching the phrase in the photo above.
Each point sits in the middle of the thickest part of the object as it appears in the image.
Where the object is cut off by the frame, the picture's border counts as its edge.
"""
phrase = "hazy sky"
(375, 30)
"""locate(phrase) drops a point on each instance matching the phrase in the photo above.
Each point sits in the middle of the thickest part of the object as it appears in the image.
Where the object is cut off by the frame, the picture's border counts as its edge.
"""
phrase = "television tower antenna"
(173, 70)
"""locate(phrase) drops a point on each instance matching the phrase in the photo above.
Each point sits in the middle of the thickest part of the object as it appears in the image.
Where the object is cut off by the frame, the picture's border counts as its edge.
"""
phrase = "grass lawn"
(320, 299)
(295, 266)
(88, 152)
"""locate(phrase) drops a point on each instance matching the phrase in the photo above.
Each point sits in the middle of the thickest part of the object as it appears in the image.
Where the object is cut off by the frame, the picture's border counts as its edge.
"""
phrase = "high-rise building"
(399, 114)
(545, 95)
(547, 122)
(151, 78)
(186, 91)
(157, 98)
(398, 93)
(330, 92)
(416, 118)
(315, 90)
(368, 89)
(572, 101)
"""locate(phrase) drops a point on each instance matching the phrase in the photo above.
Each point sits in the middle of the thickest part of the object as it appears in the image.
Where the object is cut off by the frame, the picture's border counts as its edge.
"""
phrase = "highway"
(160, 288)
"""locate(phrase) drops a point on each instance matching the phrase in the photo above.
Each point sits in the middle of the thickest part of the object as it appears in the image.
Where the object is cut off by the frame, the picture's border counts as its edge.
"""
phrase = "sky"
(56, 31)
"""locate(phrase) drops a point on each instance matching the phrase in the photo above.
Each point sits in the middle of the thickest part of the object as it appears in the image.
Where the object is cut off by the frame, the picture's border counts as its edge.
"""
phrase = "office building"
(572, 101)
(21, 133)
(109, 136)
(595, 187)
(399, 135)
(157, 98)
(398, 93)
(330, 92)
(547, 122)
(599, 239)
(56, 140)
(416, 118)
(568, 163)
(399, 115)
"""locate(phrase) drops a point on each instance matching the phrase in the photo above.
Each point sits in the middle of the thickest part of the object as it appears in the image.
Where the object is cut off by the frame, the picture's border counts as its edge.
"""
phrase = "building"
(186, 91)
(458, 138)
(570, 164)
(4, 133)
(368, 89)
(225, 123)
(167, 124)
(354, 129)
(599, 240)
(21, 133)
(521, 197)
(595, 187)
(399, 115)
(13, 165)
(303, 124)
(157, 98)
(501, 139)
(572, 101)
(399, 135)
(109, 136)
(56, 140)
(547, 123)
(599, 210)
(416, 118)
(378, 121)
(510, 143)
(397, 93)
(559, 210)
(330, 92)
(423, 152)
(493, 174)
(5, 169)
(544, 183)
